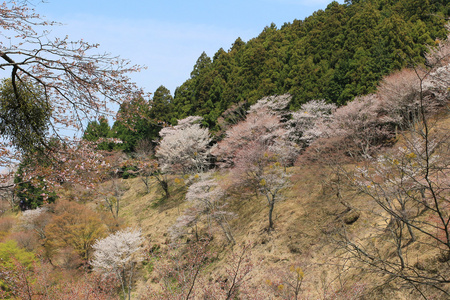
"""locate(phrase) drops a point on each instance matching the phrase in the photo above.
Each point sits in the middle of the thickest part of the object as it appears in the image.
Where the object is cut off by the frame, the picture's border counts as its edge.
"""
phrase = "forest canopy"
(335, 54)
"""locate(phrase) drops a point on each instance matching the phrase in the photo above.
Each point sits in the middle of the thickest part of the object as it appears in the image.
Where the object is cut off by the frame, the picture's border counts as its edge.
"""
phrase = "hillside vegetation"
(335, 54)
(360, 211)
(353, 223)
(293, 198)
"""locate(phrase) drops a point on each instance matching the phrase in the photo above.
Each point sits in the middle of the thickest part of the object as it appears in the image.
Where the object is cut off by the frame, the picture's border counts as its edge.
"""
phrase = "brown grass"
(307, 231)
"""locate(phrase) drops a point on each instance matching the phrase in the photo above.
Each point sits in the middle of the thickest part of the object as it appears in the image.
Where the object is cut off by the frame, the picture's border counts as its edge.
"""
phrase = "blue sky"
(168, 36)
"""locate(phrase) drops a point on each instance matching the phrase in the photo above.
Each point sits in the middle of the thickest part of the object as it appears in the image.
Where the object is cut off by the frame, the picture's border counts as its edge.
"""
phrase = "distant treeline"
(335, 54)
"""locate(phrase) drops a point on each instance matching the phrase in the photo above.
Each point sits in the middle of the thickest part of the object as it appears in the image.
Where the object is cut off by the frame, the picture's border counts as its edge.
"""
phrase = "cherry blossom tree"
(184, 148)
(370, 122)
(118, 254)
(399, 95)
(35, 220)
(75, 162)
(70, 78)
(307, 123)
(258, 150)
(257, 166)
(7, 190)
(263, 125)
(207, 199)
(276, 104)
(361, 126)
(60, 82)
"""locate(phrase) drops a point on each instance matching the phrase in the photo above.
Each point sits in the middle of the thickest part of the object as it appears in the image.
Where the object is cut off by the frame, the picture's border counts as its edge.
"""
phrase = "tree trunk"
(271, 206)
(165, 188)
(228, 234)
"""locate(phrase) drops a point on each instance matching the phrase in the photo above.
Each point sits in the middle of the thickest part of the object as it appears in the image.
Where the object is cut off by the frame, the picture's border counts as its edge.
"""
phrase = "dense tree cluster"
(335, 54)
(137, 120)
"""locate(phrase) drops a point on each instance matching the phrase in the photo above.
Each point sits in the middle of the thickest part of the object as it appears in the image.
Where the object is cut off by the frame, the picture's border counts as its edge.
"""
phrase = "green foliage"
(335, 54)
(9, 251)
(134, 124)
(161, 105)
(96, 130)
(128, 171)
(32, 194)
(11, 256)
(24, 114)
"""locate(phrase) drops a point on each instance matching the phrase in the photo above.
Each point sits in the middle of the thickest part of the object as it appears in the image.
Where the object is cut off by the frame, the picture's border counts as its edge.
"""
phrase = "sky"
(167, 36)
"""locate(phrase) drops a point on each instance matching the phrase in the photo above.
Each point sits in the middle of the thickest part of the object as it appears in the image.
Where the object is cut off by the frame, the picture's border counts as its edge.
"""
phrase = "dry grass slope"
(308, 228)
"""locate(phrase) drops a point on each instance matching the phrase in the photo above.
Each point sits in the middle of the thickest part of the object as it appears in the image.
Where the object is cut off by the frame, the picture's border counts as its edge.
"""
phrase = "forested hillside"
(335, 54)
(244, 191)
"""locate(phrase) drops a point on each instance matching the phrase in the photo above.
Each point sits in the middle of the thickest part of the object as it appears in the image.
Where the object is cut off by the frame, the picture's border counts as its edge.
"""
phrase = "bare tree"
(233, 282)
(286, 283)
(148, 168)
(180, 275)
(410, 185)
(112, 193)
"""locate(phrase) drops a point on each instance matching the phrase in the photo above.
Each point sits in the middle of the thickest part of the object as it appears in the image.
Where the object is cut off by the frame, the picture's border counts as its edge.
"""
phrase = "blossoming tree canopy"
(53, 83)
(185, 147)
(74, 83)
